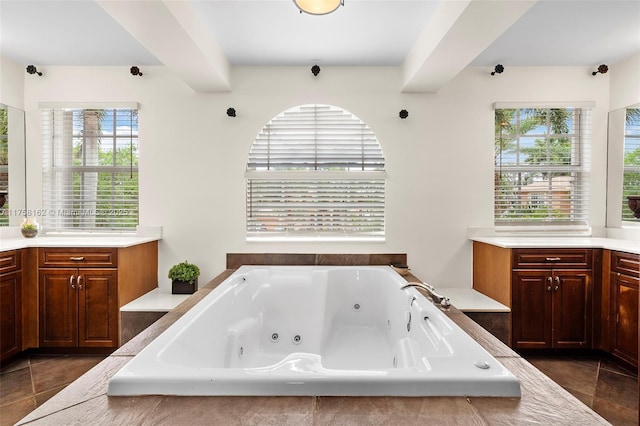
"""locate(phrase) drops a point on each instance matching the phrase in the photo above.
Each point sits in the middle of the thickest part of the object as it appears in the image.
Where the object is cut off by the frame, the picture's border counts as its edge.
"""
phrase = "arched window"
(315, 170)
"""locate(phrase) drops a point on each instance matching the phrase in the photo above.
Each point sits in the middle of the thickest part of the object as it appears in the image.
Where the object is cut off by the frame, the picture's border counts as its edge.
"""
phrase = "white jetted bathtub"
(314, 330)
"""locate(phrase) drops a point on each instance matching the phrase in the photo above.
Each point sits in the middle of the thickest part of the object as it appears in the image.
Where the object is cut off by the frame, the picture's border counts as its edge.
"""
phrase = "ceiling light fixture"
(403, 113)
(231, 112)
(318, 7)
(315, 70)
(31, 69)
(602, 69)
(135, 71)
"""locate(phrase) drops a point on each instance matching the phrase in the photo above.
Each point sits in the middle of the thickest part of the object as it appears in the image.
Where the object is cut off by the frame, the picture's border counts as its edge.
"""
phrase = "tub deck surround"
(314, 330)
(235, 260)
(85, 401)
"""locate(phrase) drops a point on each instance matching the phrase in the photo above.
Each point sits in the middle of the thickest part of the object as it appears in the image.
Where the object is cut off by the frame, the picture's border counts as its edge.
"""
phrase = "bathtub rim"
(368, 389)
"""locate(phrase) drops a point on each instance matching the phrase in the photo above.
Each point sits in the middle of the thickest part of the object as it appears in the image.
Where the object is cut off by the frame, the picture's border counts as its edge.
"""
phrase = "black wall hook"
(315, 70)
(231, 112)
(602, 69)
(135, 71)
(403, 113)
(499, 69)
(31, 69)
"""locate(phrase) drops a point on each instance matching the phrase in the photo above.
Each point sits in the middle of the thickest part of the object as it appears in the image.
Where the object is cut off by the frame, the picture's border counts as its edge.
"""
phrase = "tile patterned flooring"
(29, 381)
(610, 390)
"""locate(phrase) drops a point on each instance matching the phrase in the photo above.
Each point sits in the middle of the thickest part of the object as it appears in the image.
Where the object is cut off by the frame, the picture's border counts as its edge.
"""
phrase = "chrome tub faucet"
(431, 292)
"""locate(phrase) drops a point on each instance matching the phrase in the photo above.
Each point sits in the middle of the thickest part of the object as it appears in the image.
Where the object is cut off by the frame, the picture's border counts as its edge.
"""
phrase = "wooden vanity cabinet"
(78, 291)
(549, 292)
(552, 298)
(624, 279)
(81, 291)
(10, 303)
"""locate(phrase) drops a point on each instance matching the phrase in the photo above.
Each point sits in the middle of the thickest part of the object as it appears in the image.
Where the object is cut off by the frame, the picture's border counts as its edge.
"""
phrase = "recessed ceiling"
(66, 33)
(276, 33)
(361, 33)
(569, 33)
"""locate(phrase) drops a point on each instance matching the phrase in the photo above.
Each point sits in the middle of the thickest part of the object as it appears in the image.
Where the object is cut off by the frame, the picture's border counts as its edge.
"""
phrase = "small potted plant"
(184, 278)
(29, 228)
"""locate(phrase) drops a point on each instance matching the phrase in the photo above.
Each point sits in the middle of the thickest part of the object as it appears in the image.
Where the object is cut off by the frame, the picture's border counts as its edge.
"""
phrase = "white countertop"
(117, 241)
(155, 301)
(629, 246)
(470, 300)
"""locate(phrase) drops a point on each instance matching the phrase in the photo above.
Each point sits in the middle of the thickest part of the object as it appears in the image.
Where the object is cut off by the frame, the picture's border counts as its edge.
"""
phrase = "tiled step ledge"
(140, 313)
(155, 301)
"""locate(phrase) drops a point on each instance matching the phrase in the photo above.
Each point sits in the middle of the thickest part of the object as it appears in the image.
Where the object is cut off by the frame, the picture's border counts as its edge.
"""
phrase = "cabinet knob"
(77, 259)
(71, 281)
(553, 259)
(80, 282)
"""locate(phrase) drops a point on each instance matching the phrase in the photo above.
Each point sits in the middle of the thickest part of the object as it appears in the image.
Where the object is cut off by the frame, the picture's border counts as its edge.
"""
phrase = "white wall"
(11, 83)
(439, 160)
(625, 83)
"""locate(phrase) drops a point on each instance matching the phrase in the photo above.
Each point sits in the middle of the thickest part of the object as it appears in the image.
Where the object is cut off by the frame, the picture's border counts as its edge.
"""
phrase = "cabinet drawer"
(10, 261)
(625, 263)
(78, 257)
(552, 259)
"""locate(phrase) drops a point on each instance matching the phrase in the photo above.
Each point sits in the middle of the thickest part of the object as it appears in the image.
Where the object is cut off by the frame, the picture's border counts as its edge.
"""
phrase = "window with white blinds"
(315, 170)
(90, 168)
(631, 178)
(541, 166)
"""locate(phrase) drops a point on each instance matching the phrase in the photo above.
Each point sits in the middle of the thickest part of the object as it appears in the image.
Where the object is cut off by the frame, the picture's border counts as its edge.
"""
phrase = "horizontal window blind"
(315, 169)
(90, 169)
(317, 206)
(542, 159)
(631, 178)
(316, 137)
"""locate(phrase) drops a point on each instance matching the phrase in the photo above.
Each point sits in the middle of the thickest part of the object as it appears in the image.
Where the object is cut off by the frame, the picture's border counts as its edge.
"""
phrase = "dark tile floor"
(610, 390)
(29, 381)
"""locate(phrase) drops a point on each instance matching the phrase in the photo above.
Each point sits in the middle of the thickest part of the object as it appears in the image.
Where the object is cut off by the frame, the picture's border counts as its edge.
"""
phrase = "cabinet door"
(98, 308)
(531, 309)
(58, 308)
(572, 310)
(624, 308)
(10, 314)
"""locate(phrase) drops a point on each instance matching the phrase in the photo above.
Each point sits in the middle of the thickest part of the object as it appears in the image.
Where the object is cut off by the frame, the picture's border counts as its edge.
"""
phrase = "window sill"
(531, 231)
(630, 225)
(315, 239)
